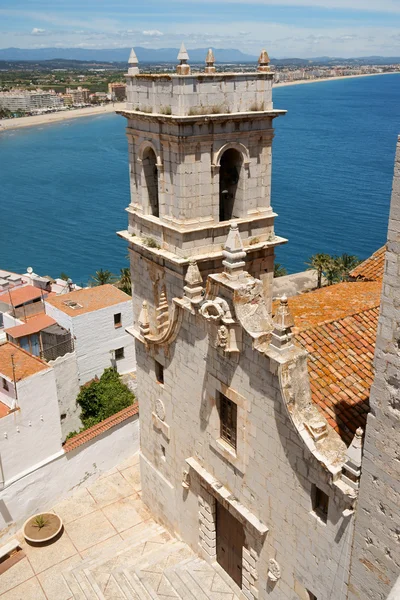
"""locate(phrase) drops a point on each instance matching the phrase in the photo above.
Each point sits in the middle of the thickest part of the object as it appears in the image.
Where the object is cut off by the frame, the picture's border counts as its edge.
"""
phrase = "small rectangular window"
(159, 369)
(5, 384)
(228, 418)
(119, 353)
(320, 503)
(117, 320)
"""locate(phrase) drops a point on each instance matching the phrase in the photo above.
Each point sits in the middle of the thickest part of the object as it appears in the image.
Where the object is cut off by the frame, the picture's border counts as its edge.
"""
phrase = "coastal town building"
(97, 319)
(117, 91)
(252, 429)
(78, 95)
(30, 101)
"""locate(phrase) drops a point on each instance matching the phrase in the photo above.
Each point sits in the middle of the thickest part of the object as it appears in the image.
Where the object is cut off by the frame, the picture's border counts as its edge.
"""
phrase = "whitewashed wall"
(67, 381)
(95, 337)
(30, 435)
(56, 479)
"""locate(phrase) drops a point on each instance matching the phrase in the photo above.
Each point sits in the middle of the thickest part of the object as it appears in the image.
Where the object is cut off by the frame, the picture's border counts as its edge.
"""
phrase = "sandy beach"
(302, 81)
(8, 124)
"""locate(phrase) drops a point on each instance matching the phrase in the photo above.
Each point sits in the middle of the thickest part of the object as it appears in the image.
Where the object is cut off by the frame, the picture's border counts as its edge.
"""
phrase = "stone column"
(207, 525)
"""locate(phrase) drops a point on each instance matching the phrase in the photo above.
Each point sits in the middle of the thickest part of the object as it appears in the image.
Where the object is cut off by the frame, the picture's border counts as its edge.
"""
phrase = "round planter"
(45, 534)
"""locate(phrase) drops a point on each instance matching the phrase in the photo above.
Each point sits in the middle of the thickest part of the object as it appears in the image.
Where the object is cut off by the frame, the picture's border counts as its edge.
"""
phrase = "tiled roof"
(25, 364)
(372, 268)
(4, 410)
(34, 324)
(100, 428)
(20, 295)
(89, 299)
(340, 368)
(333, 302)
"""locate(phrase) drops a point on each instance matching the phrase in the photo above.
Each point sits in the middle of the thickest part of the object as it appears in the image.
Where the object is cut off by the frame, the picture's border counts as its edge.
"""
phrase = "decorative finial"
(144, 322)
(183, 68)
(263, 61)
(234, 254)
(351, 470)
(162, 313)
(194, 283)
(281, 337)
(133, 63)
(210, 60)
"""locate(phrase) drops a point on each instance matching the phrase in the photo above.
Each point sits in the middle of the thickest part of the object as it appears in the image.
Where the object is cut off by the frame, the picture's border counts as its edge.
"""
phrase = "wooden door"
(230, 542)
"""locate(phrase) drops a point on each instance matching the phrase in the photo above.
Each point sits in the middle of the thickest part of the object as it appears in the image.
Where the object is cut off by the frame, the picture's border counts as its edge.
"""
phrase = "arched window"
(230, 184)
(149, 161)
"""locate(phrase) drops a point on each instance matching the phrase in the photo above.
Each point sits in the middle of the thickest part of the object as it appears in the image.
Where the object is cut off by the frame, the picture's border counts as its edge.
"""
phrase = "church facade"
(236, 458)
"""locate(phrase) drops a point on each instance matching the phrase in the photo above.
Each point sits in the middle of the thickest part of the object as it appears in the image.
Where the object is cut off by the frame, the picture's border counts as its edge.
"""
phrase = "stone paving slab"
(111, 549)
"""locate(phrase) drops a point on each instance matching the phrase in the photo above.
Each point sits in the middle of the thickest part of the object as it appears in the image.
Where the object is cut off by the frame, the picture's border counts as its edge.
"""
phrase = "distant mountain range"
(145, 55)
(168, 55)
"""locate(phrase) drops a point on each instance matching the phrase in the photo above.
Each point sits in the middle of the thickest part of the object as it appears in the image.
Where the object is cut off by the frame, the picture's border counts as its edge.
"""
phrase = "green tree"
(125, 283)
(346, 263)
(318, 262)
(331, 270)
(279, 271)
(64, 276)
(101, 277)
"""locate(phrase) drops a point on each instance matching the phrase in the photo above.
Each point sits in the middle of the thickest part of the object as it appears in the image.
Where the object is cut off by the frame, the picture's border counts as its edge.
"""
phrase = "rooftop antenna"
(183, 68)
(29, 270)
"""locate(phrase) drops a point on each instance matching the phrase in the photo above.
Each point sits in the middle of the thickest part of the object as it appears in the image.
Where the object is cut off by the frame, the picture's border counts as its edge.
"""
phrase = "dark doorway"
(230, 542)
(149, 161)
(230, 185)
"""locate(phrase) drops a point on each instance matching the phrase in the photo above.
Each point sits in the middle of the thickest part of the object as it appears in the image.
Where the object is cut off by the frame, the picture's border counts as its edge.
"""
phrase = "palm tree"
(318, 262)
(345, 264)
(125, 283)
(331, 271)
(279, 271)
(101, 277)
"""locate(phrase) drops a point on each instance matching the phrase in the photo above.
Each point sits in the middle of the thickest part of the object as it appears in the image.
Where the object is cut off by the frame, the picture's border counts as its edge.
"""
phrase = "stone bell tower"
(200, 149)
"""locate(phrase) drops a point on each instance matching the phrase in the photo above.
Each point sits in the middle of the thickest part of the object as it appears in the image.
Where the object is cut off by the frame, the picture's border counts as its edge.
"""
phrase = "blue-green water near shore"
(64, 187)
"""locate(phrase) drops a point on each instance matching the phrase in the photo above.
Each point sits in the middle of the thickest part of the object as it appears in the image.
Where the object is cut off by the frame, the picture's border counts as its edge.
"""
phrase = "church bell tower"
(200, 149)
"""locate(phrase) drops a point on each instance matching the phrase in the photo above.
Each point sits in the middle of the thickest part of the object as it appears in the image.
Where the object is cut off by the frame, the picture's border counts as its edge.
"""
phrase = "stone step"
(176, 582)
(208, 581)
(81, 580)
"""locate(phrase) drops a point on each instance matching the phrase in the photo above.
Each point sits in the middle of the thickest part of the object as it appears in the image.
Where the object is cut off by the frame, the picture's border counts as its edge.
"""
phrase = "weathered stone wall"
(271, 476)
(188, 156)
(376, 552)
(200, 93)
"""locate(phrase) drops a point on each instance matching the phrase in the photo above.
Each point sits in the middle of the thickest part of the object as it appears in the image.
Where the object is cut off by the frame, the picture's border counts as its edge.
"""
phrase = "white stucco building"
(97, 318)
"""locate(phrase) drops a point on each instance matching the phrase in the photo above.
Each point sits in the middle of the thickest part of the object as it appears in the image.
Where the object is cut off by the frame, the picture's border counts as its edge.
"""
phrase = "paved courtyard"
(111, 548)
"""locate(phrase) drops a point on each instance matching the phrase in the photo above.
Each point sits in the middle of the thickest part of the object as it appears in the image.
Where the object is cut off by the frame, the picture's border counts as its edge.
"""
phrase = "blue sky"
(303, 28)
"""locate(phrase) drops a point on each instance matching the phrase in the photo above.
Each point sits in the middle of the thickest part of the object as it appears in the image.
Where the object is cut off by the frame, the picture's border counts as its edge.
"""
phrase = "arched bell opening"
(149, 161)
(230, 184)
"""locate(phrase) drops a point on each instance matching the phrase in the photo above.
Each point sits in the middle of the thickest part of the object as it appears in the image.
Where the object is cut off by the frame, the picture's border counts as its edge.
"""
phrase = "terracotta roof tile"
(25, 364)
(89, 299)
(20, 295)
(33, 325)
(100, 428)
(372, 268)
(342, 393)
(332, 303)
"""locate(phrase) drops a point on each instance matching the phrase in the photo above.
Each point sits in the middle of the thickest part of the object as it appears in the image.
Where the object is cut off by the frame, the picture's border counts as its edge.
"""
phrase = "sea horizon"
(65, 187)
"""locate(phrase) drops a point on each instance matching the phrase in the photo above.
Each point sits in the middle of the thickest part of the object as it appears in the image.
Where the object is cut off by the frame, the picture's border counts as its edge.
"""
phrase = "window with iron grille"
(228, 418)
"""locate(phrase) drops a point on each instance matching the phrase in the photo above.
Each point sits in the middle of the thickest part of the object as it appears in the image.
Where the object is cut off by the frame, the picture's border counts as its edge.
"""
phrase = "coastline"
(46, 119)
(321, 79)
(34, 121)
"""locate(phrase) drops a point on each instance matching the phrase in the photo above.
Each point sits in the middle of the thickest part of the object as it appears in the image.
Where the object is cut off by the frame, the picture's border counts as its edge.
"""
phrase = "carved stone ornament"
(212, 311)
(159, 409)
(222, 337)
(274, 570)
(186, 480)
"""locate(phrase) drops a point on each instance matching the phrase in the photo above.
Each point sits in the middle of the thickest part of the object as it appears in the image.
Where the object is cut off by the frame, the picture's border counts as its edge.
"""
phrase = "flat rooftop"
(88, 300)
(21, 295)
(33, 325)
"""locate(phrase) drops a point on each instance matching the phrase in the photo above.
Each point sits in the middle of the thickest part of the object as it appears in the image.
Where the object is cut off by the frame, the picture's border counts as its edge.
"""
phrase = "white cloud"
(153, 32)
(38, 31)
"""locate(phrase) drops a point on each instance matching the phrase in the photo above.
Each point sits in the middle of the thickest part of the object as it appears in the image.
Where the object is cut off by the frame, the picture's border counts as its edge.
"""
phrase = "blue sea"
(64, 187)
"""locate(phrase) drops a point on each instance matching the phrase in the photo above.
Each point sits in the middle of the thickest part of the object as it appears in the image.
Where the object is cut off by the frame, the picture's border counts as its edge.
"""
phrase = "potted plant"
(42, 527)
